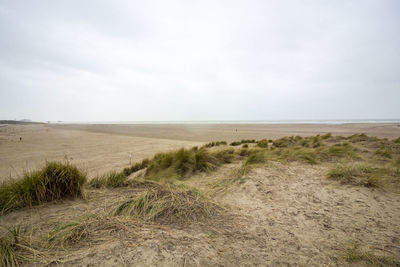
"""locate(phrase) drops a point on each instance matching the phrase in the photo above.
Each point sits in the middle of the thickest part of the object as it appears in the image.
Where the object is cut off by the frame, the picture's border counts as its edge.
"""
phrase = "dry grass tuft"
(169, 204)
(354, 254)
(68, 234)
(16, 249)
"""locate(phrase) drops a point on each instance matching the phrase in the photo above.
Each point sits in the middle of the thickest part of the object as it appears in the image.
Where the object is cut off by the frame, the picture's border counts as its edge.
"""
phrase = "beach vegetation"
(53, 182)
(169, 204)
(365, 175)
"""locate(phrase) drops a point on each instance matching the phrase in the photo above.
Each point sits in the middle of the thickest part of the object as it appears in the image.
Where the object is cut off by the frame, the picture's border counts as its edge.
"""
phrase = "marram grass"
(55, 181)
(169, 204)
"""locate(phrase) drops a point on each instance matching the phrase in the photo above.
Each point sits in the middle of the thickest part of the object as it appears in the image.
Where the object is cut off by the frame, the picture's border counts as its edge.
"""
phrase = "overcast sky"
(199, 60)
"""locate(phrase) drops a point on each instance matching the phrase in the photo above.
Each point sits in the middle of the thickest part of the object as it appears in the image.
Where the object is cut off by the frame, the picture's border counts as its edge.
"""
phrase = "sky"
(199, 60)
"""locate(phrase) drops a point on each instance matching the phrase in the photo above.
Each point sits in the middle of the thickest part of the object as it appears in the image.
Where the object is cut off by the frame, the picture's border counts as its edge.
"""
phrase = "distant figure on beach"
(236, 130)
(20, 138)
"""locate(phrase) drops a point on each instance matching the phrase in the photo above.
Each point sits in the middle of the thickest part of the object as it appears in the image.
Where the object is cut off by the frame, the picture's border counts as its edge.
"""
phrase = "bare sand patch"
(95, 153)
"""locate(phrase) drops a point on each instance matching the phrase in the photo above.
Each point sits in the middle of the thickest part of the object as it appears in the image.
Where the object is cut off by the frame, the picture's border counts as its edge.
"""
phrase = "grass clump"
(293, 141)
(243, 141)
(16, 249)
(137, 167)
(8, 247)
(169, 204)
(384, 152)
(359, 174)
(111, 180)
(282, 142)
(354, 254)
(235, 143)
(356, 138)
(263, 143)
(115, 179)
(55, 181)
(217, 143)
(326, 136)
(341, 150)
(181, 163)
(68, 234)
(306, 155)
(225, 155)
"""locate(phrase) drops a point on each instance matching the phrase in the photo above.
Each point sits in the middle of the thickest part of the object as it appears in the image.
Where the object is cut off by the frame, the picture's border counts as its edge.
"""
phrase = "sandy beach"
(98, 149)
(275, 207)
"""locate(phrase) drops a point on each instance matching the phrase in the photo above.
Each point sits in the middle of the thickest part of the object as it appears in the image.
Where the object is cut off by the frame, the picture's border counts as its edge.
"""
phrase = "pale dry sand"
(100, 148)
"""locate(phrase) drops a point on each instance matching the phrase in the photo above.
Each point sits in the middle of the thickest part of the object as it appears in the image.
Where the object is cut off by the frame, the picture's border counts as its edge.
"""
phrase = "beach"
(100, 148)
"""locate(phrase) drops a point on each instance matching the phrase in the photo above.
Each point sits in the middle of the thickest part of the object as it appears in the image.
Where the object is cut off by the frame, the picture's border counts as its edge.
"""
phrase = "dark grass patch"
(55, 181)
(217, 143)
(263, 143)
(243, 141)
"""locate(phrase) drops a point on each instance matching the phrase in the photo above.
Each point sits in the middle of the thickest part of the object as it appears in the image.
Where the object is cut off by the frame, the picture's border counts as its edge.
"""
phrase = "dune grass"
(111, 180)
(365, 175)
(384, 152)
(358, 138)
(243, 141)
(115, 179)
(8, 247)
(355, 254)
(183, 162)
(263, 143)
(16, 248)
(67, 234)
(136, 167)
(55, 181)
(217, 143)
(338, 151)
(169, 204)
